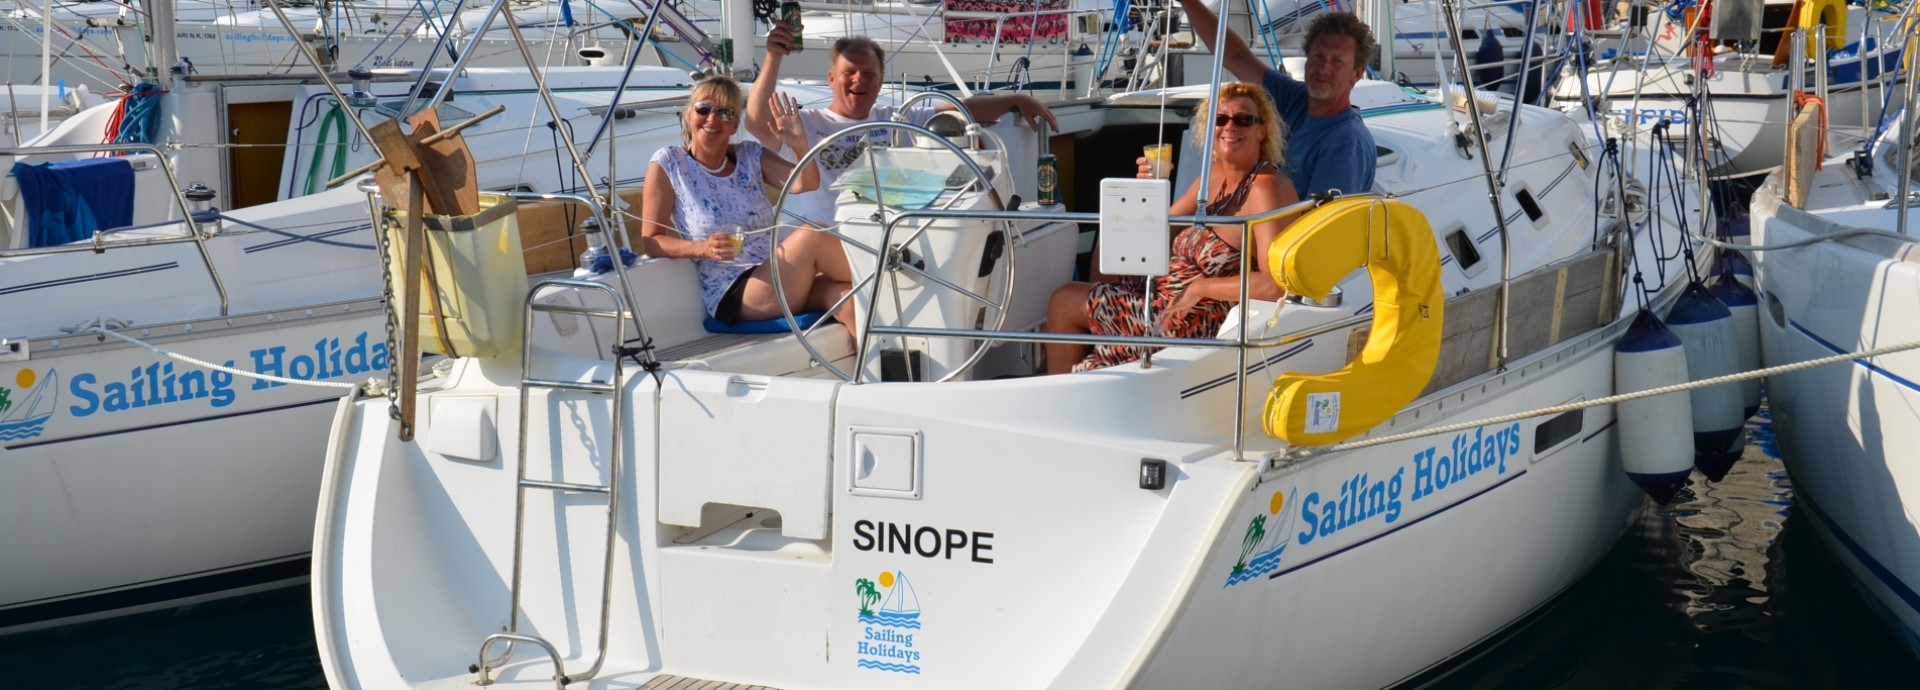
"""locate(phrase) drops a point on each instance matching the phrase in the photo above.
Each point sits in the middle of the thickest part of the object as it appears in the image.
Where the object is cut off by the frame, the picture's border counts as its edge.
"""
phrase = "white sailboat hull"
(142, 481)
(779, 527)
(1847, 432)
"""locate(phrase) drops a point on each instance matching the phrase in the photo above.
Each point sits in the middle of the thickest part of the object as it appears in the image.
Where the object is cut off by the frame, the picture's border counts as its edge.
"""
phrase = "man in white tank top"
(856, 75)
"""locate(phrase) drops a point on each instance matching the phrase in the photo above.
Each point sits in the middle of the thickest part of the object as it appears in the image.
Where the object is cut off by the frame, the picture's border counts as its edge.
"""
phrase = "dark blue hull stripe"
(162, 425)
(1886, 576)
(1217, 382)
(1869, 365)
(1880, 571)
(191, 586)
(76, 280)
(1415, 521)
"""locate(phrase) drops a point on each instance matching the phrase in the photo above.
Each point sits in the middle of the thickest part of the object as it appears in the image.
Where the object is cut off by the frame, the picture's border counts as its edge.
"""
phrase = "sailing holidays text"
(1366, 499)
(158, 383)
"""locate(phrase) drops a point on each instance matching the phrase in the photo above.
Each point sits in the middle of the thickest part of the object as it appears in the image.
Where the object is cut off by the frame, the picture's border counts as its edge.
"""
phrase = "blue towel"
(68, 200)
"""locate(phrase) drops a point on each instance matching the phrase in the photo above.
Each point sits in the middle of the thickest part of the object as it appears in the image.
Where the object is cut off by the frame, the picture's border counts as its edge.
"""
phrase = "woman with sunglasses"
(713, 183)
(1203, 277)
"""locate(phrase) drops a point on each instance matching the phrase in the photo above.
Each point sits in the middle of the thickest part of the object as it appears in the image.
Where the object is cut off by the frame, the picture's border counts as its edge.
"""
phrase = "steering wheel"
(895, 258)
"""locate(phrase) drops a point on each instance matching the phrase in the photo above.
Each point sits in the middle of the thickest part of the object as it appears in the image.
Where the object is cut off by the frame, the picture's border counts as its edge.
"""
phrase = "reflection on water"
(1721, 589)
(258, 642)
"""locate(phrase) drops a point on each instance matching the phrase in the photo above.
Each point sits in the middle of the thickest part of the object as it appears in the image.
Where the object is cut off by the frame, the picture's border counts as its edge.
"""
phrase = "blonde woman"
(712, 183)
(1203, 278)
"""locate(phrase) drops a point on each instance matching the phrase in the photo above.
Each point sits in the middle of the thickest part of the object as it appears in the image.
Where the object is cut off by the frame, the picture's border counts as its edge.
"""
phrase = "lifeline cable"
(216, 367)
(1301, 454)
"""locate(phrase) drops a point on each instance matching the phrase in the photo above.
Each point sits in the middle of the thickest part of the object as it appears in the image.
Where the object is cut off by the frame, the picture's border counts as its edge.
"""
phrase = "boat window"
(1528, 204)
(1383, 156)
(450, 114)
(1464, 252)
(1579, 156)
(1557, 430)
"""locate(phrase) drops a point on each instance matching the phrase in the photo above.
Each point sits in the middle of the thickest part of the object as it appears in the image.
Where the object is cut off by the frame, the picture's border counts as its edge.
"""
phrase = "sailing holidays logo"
(1369, 501)
(885, 641)
(1260, 550)
(26, 416)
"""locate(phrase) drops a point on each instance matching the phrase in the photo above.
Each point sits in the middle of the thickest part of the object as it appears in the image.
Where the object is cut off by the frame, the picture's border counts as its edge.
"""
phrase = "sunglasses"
(1242, 120)
(707, 108)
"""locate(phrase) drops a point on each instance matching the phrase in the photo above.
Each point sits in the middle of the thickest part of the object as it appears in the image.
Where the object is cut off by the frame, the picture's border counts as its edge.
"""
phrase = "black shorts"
(728, 310)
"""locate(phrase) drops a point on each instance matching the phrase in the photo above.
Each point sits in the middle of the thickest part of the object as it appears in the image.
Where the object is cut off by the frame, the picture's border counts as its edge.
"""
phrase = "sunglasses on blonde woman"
(707, 108)
(1242, 120)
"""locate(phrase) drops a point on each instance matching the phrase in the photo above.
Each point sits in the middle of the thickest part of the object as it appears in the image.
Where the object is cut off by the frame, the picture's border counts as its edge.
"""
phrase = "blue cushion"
(776, 324)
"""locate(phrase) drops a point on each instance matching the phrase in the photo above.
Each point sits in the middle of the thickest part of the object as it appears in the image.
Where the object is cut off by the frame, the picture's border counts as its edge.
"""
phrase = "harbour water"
(1723, 589)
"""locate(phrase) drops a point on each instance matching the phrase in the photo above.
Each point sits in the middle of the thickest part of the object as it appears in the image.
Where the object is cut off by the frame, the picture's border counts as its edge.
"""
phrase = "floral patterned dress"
(1115, 308)
(703, 201)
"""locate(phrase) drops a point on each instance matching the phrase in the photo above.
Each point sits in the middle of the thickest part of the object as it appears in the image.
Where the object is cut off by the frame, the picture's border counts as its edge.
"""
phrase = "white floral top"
(703, 201)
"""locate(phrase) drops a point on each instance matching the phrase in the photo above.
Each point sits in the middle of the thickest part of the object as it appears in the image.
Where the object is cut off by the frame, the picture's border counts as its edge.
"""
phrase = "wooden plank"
(672, 682)
(446, 168)
(550, 236)
(1466, 338)
(398, 153)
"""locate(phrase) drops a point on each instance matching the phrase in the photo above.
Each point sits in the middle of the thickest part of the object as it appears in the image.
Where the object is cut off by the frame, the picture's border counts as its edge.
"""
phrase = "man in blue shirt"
(1328, 146)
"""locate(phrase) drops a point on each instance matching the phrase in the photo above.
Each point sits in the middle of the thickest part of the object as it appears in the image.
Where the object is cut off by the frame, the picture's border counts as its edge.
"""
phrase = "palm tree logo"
(1256, 531)
(869, 595)
(6, 402)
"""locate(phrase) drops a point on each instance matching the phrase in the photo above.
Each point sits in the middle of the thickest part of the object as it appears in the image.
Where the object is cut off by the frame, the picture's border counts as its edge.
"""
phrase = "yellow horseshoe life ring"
(1807, 14)
(1395, 243)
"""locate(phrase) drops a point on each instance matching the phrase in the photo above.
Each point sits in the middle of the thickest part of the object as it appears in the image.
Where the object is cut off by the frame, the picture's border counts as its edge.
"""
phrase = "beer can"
(790, 13)
(1049, 180)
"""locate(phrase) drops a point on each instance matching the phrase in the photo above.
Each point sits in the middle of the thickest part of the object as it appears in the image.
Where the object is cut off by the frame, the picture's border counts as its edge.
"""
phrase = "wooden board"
(550, 232)
(445, 168)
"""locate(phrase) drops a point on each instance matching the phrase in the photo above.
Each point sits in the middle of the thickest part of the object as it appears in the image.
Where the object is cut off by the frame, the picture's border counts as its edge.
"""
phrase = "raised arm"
(1239, 59)
(775, 168)
(760, 100)
(988, 107)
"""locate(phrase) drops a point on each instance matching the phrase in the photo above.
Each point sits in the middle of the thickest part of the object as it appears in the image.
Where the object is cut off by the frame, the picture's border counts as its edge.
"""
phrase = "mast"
(46, 63)
(160, 22)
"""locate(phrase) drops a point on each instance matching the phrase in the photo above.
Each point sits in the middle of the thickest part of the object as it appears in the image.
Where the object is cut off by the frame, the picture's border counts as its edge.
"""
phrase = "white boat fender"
(1745, 306)
(1737, 264)
(1706, 328)
(1653, 431)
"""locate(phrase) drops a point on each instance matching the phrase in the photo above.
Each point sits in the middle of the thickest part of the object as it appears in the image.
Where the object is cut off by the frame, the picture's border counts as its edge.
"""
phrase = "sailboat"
(585, 520)
(1742, 98)
(100, 44)
(200, 332)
